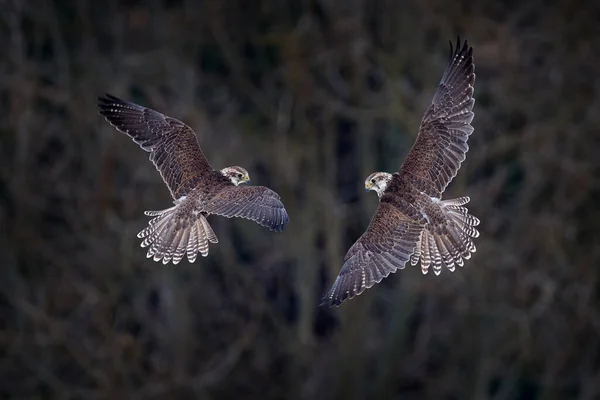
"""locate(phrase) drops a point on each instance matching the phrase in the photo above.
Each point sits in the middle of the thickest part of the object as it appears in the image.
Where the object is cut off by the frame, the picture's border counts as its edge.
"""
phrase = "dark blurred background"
(310, 96)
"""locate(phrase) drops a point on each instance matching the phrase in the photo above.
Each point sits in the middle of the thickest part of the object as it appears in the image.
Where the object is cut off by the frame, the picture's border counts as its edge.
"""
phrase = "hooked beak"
(247, 179)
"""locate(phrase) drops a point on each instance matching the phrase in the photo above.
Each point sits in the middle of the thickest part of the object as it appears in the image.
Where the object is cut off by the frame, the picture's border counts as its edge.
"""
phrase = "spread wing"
(256, 203)
(441, 145)
(385, 247)
(173, 145)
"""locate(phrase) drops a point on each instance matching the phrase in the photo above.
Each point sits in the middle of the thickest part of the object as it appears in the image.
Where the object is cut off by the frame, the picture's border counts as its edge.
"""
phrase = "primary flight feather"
(412, 221)
(198, 189)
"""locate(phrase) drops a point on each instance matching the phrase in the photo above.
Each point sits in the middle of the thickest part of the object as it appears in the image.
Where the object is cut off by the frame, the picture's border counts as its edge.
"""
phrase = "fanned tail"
(450, 243)
(171, 235)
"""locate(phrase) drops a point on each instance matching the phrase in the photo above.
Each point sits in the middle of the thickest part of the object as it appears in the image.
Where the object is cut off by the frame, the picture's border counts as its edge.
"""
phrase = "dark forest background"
(310, 96)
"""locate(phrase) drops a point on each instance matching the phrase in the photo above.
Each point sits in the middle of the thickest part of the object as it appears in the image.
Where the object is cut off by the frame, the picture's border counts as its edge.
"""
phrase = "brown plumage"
(412, 222)
(197, 188)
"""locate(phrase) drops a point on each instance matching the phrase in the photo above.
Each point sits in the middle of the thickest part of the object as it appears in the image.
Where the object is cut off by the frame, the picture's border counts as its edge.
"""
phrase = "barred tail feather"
(171, 236)
(210, 234)
(436, 257)
(181, 247)
(414, 258)
(425, 255)
(192, 245)
(459, 201)
(448, 244)
(202, 241)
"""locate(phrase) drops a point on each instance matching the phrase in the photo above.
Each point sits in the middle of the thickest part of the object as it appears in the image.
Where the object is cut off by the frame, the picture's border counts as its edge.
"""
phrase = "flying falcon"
(198, 189)
(412, 221)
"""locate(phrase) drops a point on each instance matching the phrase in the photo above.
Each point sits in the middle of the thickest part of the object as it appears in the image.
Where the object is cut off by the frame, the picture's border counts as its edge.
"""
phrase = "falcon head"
(378, 181)
(236, 174)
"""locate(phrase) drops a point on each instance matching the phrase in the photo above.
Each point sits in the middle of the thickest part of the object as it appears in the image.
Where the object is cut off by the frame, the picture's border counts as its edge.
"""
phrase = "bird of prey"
(198, 189)
(412, 222)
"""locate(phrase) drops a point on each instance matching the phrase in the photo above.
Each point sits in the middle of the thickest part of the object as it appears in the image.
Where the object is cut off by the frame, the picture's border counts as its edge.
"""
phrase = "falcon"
(197, 189)
(412, 222)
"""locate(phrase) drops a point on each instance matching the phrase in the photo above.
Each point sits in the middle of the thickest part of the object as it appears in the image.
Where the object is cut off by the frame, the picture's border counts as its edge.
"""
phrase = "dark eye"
(373, 180)
(240, 176)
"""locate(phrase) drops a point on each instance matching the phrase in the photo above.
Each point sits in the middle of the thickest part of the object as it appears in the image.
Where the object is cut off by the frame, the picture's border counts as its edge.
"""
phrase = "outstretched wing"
(173, 145)
(256, 203)
(441, 145)
(385, 247)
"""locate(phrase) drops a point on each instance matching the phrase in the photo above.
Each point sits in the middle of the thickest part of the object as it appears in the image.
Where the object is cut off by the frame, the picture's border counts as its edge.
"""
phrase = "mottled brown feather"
(173, 145)
(441, 144)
